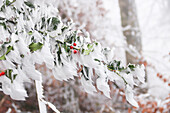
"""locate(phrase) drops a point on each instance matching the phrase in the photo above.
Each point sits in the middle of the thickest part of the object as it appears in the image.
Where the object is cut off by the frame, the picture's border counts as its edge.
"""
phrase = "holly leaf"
(35, 46)
(8, 2)
(90, 46)
(3, 57)
(87, 52)
(8, 74)
(29, 4)
(131, 66)
(54, 22)
(30, 33)
(90, 49)
(9, 48)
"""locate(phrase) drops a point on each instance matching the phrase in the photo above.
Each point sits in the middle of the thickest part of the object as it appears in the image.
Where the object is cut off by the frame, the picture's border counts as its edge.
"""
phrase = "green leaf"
(87, 52)
(35, 46)
(30, 33)
(58, 53)
(90, 46)
(4, 25)
(9, 48)
(22, 56)
(96, 43)
(8, 74)
(118, 63)
(64, 29)
(67, 48)
(29, 4)
(43, 22)
(97, 60)
(131, 66)
(7, 2)
(2, 8)
(90, 49)
(54, 22)
(15, 75)
(2, 57)
(111, 67)
(82, 51)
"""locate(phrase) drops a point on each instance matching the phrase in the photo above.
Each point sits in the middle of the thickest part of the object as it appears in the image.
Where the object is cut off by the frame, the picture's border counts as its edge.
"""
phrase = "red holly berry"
(2, 73)
(74, 44)
(71, 47)
(75, 51)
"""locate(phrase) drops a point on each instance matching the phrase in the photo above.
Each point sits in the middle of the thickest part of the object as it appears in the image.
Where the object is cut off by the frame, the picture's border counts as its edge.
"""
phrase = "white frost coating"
(23, 49)
(17, 91)
(3, 33)
(48, 58)
(130, 96)
(70, 66)
(39, 90)
(12, 58)
(6, 87)
(1, 3)
(129, 79)
(113, 76)
(23, 76)
(18, 3)
(88, 61)
(140, 73)
(8, 64)
(88, 86)
(102, 85)
(29, 69)
(38, 58)
(58, 73)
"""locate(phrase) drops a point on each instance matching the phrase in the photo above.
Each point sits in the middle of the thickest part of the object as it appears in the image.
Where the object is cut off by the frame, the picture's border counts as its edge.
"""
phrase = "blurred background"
(138, 31)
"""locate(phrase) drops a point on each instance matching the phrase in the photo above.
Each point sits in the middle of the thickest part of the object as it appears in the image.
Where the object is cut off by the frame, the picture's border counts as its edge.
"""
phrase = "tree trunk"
(133, 35)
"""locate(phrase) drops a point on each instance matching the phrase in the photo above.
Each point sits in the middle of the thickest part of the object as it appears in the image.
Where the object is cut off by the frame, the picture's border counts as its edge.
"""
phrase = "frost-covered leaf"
(48, 57)
(130, 96)
(139, 71)
(103, 86)
(88, 86)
